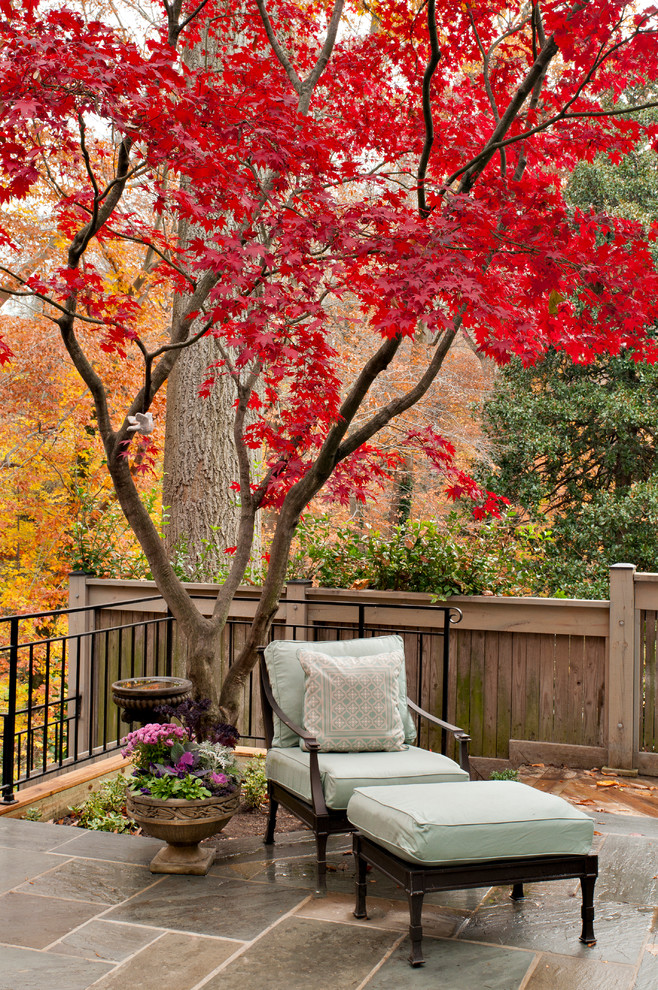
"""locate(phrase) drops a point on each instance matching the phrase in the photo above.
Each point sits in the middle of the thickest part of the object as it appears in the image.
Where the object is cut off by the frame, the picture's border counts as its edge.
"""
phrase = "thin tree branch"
(435, 56)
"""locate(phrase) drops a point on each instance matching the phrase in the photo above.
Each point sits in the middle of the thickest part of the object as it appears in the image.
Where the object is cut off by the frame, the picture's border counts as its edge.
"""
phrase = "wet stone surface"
(83, 911)
(460, 965)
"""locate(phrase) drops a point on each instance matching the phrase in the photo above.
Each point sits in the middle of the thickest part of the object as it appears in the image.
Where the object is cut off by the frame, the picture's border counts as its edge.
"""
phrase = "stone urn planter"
(182, 824)
(140, 696)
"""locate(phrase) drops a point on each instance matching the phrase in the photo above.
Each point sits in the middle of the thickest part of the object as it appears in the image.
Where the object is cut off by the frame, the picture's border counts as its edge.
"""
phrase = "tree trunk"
(202, 512)
(199, 464)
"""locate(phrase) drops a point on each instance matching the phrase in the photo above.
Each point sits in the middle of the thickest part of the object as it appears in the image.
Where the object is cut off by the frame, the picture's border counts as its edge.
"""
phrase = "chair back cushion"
(351, 704)
(287, 678)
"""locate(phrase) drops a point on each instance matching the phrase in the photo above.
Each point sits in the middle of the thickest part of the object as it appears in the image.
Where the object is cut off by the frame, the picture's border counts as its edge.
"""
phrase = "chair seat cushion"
(476, 822)
(342, 772)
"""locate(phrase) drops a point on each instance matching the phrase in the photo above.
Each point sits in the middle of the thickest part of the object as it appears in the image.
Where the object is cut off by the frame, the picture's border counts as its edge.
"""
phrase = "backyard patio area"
(81, 909)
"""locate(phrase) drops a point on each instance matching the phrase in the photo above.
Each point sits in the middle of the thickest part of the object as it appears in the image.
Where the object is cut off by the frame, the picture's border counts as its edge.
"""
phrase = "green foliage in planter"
(105, 809)
(254, 782)
(456, 556)
(184, 788)
(33, 815)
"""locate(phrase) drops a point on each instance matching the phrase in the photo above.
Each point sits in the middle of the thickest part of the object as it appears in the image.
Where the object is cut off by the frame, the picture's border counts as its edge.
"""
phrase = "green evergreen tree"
(576, 445)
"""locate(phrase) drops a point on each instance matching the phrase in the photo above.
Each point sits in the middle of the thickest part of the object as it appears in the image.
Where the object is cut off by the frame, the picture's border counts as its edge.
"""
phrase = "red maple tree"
(416, 167)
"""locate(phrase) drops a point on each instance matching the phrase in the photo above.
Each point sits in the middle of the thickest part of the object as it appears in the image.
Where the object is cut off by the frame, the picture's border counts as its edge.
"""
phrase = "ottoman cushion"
(342, 772)
(469, 822)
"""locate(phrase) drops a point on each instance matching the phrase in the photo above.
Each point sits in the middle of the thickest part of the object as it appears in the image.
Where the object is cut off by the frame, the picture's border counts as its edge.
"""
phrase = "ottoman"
(429, 837)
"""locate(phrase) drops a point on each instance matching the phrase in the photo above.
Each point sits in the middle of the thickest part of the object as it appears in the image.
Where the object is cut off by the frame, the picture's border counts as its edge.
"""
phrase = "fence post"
(296, 608)
(620, 679)
(79, 666)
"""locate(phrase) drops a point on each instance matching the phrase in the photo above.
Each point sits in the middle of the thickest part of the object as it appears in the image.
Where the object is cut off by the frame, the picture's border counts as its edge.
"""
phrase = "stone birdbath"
(138, 697)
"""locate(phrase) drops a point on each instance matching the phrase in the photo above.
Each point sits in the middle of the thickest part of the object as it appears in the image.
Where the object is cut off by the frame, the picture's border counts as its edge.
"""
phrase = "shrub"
(105, 809)
(453, 557)
(254, 782)
(507, 774)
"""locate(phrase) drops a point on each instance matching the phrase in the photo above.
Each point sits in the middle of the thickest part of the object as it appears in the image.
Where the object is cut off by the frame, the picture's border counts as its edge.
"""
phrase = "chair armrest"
(310, 740)
(461, 737)
(311, 743)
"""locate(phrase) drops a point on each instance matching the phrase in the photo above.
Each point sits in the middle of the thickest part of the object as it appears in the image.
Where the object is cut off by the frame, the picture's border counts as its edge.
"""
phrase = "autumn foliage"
(415, 169)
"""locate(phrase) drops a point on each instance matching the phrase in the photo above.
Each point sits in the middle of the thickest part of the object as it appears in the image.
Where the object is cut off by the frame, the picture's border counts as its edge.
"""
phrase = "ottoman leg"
(517, 892)
(415, 927)
(587, 911)
(361, 883)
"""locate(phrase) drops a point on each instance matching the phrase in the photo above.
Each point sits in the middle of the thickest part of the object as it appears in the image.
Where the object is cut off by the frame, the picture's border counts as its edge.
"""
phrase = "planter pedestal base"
(191, 860)
(182, 824)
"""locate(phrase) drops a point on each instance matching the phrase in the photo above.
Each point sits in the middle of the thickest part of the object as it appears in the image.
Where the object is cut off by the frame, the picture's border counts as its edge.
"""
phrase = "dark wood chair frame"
(320, 819)
(420, 880)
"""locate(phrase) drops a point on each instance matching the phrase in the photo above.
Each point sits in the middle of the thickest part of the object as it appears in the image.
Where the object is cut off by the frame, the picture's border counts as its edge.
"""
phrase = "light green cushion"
(342, 772)
(351, 704)
(479, 821)
(287, 678)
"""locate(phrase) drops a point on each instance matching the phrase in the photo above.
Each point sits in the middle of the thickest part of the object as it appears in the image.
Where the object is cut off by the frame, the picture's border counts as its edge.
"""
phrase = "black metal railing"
(56, 708)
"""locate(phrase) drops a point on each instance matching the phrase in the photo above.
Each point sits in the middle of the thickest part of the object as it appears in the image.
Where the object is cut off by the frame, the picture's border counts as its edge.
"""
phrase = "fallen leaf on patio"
(597, 833)
(537, 764)
(585, 801)
(606, 783)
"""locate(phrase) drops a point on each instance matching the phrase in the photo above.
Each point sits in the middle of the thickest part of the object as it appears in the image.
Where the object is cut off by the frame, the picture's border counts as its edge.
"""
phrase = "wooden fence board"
(491, 661)
(562, 690)
(649, 700)
(594, 693)
(476, 692)
(463, 685)
(533, 664)
(504, 714)
(546, 686)
(575, 701)
(519, 696)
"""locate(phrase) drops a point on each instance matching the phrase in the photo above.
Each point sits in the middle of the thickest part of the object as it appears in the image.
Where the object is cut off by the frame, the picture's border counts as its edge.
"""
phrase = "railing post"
(9, 720)
(620, 679)
(79, 672)
(297, 609)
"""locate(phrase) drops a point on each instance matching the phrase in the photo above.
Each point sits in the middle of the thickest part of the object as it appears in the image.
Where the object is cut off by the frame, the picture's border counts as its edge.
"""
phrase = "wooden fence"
(532, 680)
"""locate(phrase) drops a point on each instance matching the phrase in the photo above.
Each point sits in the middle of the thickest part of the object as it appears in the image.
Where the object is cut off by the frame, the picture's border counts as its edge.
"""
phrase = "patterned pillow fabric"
(351, 703)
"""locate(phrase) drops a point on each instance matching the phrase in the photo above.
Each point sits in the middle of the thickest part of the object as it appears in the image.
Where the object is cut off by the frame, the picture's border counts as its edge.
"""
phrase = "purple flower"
(186, 762)
(220, 779)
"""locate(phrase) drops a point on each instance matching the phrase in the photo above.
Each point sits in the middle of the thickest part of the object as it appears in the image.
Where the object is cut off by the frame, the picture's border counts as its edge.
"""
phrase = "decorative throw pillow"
(351, 703)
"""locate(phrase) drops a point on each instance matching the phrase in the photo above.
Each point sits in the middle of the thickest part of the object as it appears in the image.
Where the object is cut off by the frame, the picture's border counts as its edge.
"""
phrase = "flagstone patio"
(81, 909)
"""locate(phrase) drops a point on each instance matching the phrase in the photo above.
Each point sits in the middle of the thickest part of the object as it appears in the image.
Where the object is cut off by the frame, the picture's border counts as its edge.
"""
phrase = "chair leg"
(415, 927)
(517, 892)
(587, 911)
(321, 850)
(271, 822)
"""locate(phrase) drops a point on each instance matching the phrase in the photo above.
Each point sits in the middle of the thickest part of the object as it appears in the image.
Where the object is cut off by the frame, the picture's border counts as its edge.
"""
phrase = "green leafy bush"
(452, 557)
(105, 809)
(254, 782)
(508, 774)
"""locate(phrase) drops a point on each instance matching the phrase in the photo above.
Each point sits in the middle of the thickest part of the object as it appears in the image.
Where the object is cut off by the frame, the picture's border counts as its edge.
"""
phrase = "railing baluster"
(9, 720)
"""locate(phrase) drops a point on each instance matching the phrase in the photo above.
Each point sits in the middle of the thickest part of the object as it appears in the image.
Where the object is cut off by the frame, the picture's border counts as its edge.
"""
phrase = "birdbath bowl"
(138, 697)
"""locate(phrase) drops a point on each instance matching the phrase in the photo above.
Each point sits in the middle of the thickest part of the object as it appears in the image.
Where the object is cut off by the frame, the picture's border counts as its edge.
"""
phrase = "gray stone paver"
(78, 909)
(460, 965)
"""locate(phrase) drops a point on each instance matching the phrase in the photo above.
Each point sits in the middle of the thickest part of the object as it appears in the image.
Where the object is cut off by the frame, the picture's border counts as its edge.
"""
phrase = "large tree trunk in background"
(199, 457)
(199, 464)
